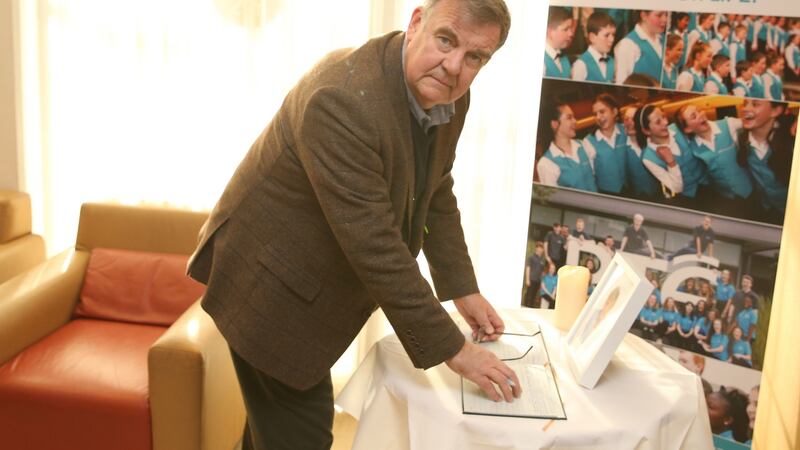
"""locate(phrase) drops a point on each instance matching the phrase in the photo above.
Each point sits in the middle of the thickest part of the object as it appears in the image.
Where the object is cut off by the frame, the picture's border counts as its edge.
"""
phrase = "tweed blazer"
(315, 231)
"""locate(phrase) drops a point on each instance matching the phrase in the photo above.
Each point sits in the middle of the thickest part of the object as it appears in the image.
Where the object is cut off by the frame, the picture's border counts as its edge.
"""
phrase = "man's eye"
(444, 41)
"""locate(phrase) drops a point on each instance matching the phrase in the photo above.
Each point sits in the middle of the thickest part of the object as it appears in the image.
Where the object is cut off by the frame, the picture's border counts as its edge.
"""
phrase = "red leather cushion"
(82, 387)
(138, 287)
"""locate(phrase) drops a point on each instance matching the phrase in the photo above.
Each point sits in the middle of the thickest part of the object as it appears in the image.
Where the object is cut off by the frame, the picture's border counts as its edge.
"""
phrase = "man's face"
(610, 242)
(638, 221)
(747, 284)
(445, 52)
(706, 223)
(560, 36)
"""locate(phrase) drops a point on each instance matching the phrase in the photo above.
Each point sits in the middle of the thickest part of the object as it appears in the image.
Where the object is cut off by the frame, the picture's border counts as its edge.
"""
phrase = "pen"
(480, 335)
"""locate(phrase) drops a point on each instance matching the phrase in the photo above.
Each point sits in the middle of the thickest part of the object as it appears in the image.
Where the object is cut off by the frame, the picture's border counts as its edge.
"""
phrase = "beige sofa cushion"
(15, 215)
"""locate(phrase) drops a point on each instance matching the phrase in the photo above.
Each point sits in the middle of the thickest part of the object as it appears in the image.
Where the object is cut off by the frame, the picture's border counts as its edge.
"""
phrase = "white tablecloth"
(644, 400)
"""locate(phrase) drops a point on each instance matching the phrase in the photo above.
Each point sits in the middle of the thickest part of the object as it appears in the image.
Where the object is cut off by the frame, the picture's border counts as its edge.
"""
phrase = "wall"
(778, 418)
(9, 163)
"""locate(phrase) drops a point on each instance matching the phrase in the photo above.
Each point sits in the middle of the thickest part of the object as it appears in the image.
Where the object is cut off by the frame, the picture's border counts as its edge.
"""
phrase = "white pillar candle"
(571, 294)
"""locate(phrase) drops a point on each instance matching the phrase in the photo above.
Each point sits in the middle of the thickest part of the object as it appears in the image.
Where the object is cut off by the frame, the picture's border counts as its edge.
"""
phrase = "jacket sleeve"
(338, 145)
(444, 245)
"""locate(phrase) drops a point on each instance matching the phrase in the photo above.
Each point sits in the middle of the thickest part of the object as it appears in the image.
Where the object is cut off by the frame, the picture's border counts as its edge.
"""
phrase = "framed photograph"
(607, 316)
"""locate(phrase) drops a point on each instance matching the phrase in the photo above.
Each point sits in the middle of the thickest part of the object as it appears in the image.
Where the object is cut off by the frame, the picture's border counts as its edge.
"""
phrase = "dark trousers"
(281, 417)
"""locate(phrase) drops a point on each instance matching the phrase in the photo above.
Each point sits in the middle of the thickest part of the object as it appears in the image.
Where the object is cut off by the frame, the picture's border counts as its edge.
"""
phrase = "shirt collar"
(437, 115)
(761, 149)
(655, 42)
(714, 132)
(716, 76)
(672, 144)
(634, 145)
(612, 141)
(596, 55)
(551, 52)
(557, 153)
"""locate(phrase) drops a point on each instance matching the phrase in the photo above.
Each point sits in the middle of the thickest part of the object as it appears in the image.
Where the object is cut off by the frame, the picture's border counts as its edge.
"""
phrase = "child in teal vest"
(596, 64)
(720, 68)
(759, 61)
(666, 153)
(638, 179)
(741, 88)
(672, 58)
(694, 78)
(792, 53)
(560, 32)
(737, 49)
(640, 51)
(607, 145)
(565, 163)
(719, 44)
(767, 154)
(714, 143)
(773, 80)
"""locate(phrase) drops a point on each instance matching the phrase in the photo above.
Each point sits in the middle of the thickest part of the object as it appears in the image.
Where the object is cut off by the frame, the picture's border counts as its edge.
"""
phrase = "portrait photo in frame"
(607, 316)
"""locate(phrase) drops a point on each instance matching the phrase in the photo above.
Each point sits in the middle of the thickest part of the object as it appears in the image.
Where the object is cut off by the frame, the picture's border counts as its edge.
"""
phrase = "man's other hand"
(484, 369)
(480, 315)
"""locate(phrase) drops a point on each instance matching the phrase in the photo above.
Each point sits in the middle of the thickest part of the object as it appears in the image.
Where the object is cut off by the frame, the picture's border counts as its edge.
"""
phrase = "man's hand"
(484, 369)
(479, 314)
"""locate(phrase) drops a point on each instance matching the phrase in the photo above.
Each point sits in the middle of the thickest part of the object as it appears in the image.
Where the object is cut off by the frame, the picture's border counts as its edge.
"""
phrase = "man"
(702, 241)
(579, 231)
(534, 267)
(636, 240)
(323, 220)
(736, 304)
(554, 249)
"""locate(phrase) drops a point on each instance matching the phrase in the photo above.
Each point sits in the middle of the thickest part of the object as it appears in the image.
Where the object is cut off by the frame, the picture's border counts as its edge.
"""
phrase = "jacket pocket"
(297, 279)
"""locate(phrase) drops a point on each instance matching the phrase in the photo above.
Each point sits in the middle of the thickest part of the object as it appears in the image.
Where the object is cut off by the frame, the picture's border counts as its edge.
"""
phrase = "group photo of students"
(730, 54)
(719, 154)
(726, 54)
(719, 327)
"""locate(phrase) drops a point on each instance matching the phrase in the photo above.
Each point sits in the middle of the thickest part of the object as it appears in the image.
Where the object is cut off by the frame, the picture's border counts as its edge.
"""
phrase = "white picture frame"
(605, 319)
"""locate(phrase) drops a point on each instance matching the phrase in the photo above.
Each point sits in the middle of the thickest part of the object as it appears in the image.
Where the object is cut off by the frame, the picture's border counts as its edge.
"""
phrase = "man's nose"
(452, 63)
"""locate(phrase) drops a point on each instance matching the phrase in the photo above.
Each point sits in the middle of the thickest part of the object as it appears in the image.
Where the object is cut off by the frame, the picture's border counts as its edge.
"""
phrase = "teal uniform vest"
(552, 70)
(751, 27)
(776, 88)
(698, 81)
(773, 193)
(703, 36)
(728, 178)
(762, 33)
(757, 89)
(692, 170)
(669, 80)
(643, 183)
(723, 90)
(795, 55)
(740, 55)
(723, 49)
(649, 62)
(609, 162)
(593, 71)
(574, 175)
(739, 83)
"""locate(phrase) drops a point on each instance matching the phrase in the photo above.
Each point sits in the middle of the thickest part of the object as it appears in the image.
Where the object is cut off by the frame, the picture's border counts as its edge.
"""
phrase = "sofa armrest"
(20, 255)
(195, 401)
(36, 303)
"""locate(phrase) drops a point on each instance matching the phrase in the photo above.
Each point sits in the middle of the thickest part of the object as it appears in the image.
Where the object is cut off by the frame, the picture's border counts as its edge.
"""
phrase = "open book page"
(528, 357)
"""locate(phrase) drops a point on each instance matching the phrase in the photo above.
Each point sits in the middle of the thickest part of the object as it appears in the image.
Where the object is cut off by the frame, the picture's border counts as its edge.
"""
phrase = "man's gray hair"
(482, 12)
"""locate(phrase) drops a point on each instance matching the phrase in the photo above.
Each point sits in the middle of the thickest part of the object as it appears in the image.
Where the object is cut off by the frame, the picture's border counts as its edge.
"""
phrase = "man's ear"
(415, 24)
